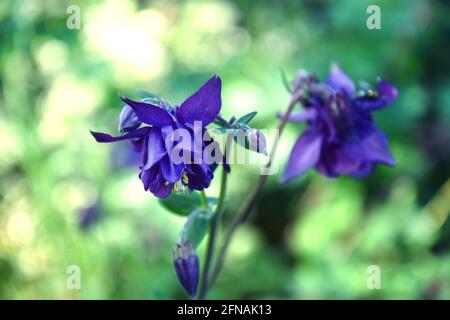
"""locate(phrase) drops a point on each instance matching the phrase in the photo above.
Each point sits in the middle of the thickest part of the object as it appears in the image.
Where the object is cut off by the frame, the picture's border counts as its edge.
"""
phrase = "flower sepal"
(196, 226)
(244, 135)
(153, 99)
(185, 203)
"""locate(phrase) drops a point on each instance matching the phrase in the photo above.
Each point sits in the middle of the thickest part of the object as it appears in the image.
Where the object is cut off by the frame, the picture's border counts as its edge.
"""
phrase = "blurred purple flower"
(341, 136)
(159, 173)
(89, 216)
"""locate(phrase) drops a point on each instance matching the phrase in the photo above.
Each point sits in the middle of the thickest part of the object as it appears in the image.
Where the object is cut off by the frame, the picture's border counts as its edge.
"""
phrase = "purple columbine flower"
(186, 266)
(159, 173)
(341, 136)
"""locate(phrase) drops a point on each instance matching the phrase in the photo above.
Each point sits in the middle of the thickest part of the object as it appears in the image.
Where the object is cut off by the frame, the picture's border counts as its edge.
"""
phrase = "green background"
(312, 238)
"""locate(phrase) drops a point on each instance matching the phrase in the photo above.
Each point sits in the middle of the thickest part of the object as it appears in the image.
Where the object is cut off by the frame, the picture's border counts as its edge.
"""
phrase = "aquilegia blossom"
(341, 136)
(150, 128)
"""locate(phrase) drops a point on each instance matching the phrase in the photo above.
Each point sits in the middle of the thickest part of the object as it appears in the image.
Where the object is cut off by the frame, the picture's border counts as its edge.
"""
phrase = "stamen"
(371, 94)
(185, 178)
(178, 188)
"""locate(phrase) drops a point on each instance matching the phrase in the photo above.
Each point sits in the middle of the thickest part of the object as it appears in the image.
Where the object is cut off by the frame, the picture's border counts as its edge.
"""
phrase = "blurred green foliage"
(314, 238)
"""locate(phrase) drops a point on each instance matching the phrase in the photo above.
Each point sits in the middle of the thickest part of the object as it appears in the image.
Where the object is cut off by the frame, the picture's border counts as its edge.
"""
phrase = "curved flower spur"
(160, 173)
(341, 136)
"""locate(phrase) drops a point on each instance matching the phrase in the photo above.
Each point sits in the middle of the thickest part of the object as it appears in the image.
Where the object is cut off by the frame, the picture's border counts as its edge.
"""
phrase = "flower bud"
(186, 266)
(128, 120)
(257, 141)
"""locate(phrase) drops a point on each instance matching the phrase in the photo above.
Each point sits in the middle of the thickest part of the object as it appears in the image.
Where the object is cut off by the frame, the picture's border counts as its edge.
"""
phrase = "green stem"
(215, 222)
(204, 200)
(242, 216)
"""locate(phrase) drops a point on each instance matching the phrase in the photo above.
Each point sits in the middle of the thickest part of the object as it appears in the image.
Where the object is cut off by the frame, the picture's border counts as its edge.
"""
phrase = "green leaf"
(220, 122)
(151, 97)
(247, 118)
(220, 131)
(196, 227)
(182, 204)
(285, 80)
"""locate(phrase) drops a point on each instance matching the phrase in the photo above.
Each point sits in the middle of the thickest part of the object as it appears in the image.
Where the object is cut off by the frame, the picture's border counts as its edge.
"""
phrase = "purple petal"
(197, 143)
(161, 189)
(104, 137)
(304, 154)
(387, 91)
(338, 161)
(154, 182)
(339, 80)
(376, 147)
(194, 268)
(137, 144)
(149, 114)
(166, 134)
(363, 170)
(386, 95)
(304, 115)
(325, 167)
(204, 105)
(199, 176)
(170, 171)
(187, 270)
(371, 148)
(146, 177)
(155, 149)
(343, 163)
